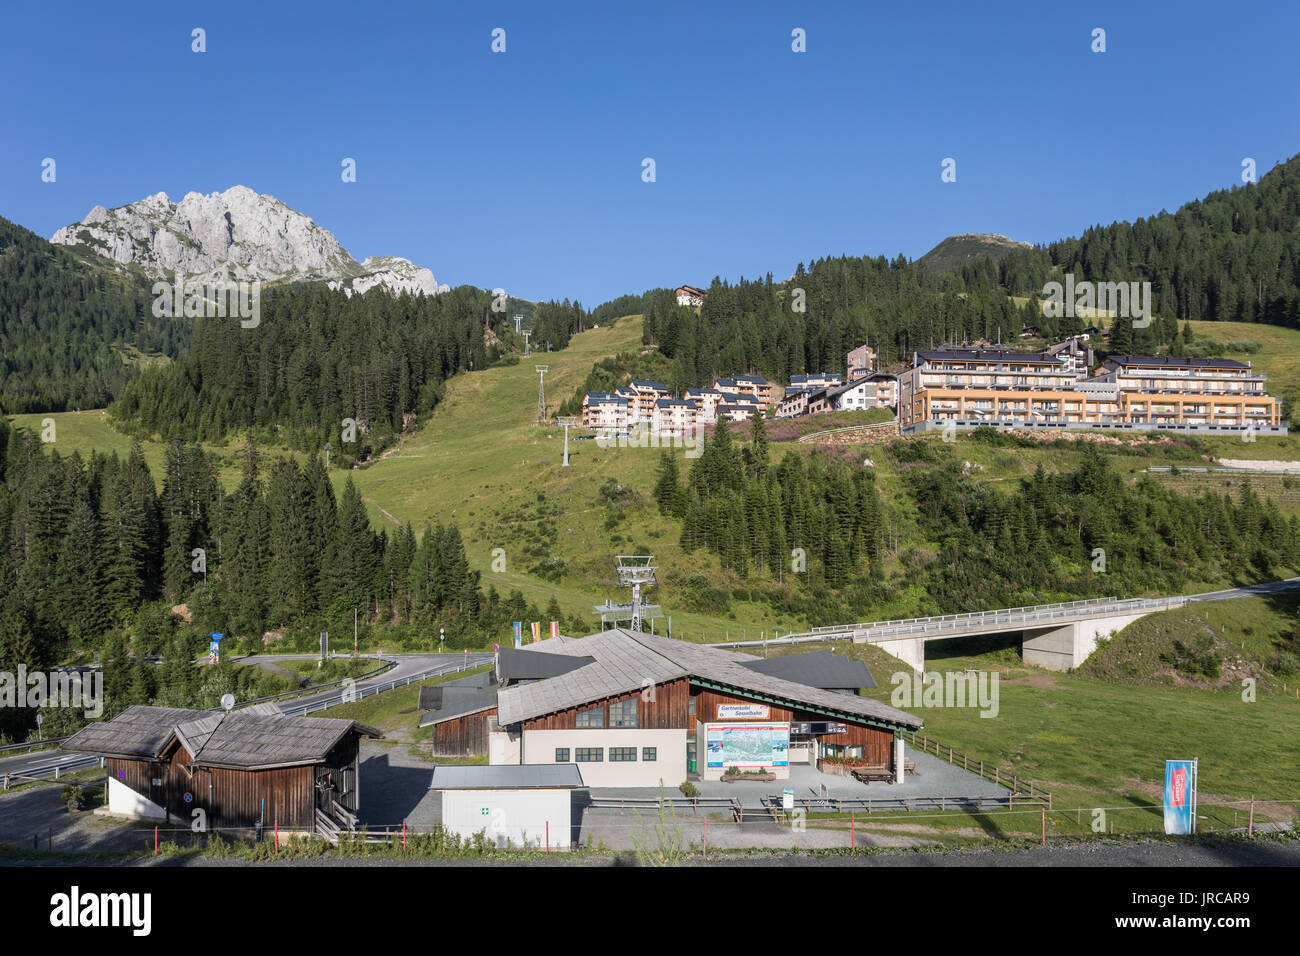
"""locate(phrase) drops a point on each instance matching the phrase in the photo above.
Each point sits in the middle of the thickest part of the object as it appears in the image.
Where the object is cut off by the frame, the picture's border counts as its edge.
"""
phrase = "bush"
(689, 789)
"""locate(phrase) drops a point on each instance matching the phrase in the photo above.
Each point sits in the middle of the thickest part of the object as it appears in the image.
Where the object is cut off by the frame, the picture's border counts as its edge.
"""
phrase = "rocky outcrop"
(237, 235)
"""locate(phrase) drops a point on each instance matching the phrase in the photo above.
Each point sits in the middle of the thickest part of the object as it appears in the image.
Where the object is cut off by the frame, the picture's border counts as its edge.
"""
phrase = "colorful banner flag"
(555, 629)
(519, 633)
(1180, 796)
(537, 631)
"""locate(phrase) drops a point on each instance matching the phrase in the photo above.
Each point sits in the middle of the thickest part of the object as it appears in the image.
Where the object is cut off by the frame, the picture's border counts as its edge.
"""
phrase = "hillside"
(955, 251)
(72, 330)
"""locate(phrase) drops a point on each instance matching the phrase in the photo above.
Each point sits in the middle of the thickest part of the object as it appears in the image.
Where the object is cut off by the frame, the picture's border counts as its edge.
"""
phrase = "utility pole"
(541, 393)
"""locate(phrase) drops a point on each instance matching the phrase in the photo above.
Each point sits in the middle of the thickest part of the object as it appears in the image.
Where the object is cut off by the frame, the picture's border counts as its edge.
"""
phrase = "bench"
(869, 773)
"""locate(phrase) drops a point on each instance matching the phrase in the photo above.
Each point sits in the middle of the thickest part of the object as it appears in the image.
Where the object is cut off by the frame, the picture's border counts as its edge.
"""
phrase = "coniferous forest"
(66, 325)
(93, 558)
(318, 357)
(817, 525)
(1233, 256)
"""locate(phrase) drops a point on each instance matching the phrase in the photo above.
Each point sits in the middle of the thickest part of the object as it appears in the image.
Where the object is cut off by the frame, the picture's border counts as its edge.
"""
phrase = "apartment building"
(1210, 391)
(795, 403)
(983, 385)
(707, 401)
(814, 381)
(739, 408)
(753, 385)
(861, 361)
(643, 395)
(604, 410)
(1020, 389)
(689, 295)
(886, 389)
(673, 416)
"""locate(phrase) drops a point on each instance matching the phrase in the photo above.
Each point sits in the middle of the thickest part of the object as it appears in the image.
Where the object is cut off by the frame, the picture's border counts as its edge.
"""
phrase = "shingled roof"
(255, 738)
(625, 661)
(138, 731)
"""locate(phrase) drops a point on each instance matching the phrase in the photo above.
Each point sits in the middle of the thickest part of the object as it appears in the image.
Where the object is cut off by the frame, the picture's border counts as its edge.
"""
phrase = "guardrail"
(386, 665)
(33, 744)
(773, 804)
(1218, 470)
(81, 763)
(364, 692)
(1037, 614)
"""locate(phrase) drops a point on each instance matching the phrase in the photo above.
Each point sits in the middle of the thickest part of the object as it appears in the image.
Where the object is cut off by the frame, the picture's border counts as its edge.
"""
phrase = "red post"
(1250, 830)
(403, 836)
(155, 841)
(548, 836)
(706, 836)
(853, 830)
(277, 834)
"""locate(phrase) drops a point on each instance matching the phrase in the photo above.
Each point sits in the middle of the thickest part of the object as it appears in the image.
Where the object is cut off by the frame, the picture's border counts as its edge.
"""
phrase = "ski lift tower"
(635, 570)
(568, 422)
(526, 352)
(541, 392)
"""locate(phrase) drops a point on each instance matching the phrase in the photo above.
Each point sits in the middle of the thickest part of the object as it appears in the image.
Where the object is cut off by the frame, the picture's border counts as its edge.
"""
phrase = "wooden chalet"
(240, 768)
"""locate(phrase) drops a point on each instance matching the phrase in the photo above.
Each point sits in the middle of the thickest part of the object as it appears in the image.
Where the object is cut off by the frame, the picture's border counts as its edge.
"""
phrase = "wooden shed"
(239, 768)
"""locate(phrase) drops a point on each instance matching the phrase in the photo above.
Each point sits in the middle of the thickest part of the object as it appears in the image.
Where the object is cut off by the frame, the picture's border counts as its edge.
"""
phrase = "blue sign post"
(1180, 796)
(214, 649)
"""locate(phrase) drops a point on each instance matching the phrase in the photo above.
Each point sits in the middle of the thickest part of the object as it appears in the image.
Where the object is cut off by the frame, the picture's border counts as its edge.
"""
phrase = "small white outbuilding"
(520, 805)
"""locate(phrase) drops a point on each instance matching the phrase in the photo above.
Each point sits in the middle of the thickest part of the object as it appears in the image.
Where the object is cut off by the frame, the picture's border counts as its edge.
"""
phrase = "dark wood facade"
(287, 797)
(678, 703)
(463, 736)
(665, 710)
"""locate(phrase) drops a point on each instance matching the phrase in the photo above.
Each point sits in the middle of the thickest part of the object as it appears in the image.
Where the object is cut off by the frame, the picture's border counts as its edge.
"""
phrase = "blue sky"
(523, 169)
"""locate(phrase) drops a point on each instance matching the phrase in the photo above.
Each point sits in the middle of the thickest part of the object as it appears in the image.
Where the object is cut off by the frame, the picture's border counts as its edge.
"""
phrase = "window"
(622, 754)
(690, 705)
(595, 717)
(623, 713)
(649, 753)
(589, 754)
(561, 754)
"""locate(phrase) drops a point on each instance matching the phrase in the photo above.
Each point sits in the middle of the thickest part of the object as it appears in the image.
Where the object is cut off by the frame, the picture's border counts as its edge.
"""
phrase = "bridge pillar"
(909, 650)
(1064, 647)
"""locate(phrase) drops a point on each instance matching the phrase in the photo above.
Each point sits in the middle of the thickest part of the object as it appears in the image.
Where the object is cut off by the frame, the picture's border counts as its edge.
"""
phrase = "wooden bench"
(873, 772)
(910, 770)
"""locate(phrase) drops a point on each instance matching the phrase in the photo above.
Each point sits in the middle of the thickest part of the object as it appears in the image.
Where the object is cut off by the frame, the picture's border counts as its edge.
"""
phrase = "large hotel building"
(973, 387)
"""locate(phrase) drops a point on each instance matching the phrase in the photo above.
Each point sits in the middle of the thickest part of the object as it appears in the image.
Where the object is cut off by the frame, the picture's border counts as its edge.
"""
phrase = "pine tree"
(667, 487)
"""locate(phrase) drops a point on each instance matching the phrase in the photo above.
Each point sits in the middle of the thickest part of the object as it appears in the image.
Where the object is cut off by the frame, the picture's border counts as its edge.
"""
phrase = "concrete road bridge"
(1055, 636)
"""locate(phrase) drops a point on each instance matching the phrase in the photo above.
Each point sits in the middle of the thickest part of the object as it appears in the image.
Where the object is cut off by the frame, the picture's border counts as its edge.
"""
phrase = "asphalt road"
(43, 763)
